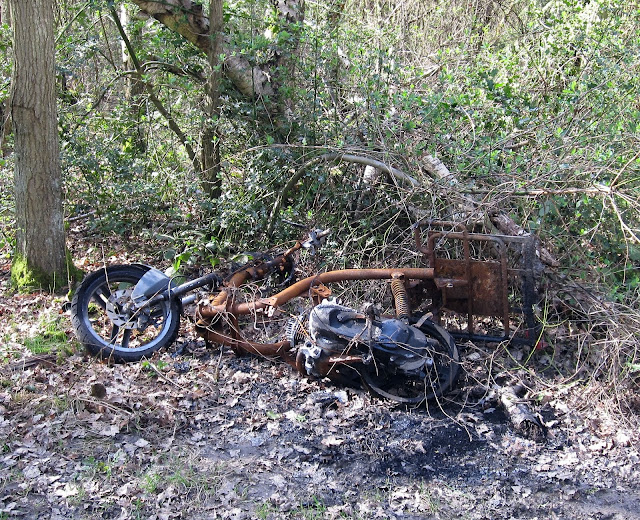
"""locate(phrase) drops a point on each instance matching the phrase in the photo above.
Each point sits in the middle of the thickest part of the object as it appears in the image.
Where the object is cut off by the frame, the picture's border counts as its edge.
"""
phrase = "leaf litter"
(206, 434)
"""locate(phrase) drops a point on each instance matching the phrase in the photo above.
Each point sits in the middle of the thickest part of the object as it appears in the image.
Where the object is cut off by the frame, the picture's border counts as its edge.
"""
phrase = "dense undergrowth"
(532, 107)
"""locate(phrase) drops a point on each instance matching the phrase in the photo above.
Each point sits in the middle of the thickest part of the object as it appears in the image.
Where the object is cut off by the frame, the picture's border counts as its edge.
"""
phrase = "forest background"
(532, 107)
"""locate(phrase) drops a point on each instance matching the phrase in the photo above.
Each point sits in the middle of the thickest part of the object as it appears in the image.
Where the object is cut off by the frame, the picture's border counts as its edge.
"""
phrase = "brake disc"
(117, 309)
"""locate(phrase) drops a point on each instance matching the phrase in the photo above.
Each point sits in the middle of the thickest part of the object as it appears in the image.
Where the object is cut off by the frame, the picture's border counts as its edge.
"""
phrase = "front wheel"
(110, 327)
(382, 379)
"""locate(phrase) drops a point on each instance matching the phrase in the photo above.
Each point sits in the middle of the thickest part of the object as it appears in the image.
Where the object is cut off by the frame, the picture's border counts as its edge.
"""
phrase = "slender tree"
(153, 97)
(210, 134)
(134, 87)
(39, 259)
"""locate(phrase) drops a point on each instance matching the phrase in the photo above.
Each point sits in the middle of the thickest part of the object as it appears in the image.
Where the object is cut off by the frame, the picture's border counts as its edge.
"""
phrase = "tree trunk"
(188, 19)
(210, 134)
(134, 87)
(5, 13)
(39, 259)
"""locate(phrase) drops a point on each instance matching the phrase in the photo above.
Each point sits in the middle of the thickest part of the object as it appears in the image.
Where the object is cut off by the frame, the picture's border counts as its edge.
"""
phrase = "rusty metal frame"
(469, 286)
(481, 286)
(225, 305)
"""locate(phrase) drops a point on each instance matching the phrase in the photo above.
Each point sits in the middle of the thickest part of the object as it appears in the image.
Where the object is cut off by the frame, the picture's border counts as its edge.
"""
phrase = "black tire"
(410, 391)
(106, 330)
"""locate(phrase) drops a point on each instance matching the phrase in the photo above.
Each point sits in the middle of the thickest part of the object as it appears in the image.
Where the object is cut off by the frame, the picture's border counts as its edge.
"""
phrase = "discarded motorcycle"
(128, 312)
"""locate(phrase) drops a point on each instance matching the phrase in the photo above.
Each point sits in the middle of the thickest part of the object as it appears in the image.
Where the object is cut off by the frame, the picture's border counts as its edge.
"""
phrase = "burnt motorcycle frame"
(471, 275)
(466, 286)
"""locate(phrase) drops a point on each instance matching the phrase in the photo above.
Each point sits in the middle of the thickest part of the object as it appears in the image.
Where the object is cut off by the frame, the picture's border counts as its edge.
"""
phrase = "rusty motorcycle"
(127, 312)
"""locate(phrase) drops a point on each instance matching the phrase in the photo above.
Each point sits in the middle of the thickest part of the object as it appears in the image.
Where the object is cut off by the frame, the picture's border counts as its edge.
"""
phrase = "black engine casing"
(402, 347)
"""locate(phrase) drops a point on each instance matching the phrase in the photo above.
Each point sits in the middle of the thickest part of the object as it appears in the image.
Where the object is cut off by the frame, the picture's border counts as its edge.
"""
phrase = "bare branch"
(152, 96)
(335, 156)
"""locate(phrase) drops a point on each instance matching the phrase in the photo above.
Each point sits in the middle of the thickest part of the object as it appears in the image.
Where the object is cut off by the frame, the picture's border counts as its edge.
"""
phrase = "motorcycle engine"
(335, 329)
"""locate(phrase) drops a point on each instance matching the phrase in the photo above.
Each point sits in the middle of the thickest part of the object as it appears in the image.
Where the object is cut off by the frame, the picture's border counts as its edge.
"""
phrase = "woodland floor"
(197, 433)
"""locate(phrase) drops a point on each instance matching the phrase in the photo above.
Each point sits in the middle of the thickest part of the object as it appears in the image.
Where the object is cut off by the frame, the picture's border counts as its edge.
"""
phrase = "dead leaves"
(205, 436)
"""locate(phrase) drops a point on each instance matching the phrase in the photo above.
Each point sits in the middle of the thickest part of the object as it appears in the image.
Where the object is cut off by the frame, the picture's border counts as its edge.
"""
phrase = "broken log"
(507, 226)
(524, 421)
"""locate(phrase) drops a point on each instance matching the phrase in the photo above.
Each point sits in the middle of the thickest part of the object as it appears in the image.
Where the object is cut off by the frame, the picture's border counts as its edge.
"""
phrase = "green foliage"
(190, 248)
(6, 57)
(525, 108)
(7, 219)
(50, 337)
(150, 482)
(524, 100)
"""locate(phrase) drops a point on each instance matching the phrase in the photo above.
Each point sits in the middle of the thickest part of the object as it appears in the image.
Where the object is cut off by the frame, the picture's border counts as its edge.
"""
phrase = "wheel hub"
(119, 309)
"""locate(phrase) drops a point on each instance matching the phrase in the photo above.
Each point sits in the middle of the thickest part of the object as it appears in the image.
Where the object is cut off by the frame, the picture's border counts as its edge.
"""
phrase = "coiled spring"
(403, 310)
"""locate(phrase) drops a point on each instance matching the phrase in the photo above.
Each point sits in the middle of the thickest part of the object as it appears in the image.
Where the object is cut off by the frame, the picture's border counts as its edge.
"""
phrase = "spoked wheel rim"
(108, 324)
(121, 327)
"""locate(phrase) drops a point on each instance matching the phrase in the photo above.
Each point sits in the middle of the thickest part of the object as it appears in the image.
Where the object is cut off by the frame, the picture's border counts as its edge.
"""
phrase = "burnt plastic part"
(332, 325)
(337, 329)
(152, 283)
(438, 377)
(315, 240)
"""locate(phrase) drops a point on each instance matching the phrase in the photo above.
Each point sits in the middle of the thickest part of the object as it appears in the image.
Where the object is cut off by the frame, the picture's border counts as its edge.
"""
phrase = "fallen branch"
(397, 174)
(597, 189)
(523, 420)
(368, 161)
(507, 226)
(29, 362)
(436, 168)
(80, 217)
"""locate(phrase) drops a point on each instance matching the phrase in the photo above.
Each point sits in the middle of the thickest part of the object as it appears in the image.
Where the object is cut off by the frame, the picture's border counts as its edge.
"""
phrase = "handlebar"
(251, 271)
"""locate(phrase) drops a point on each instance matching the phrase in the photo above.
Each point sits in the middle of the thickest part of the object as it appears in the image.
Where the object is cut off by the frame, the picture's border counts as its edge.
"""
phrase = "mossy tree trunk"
(39, 259)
